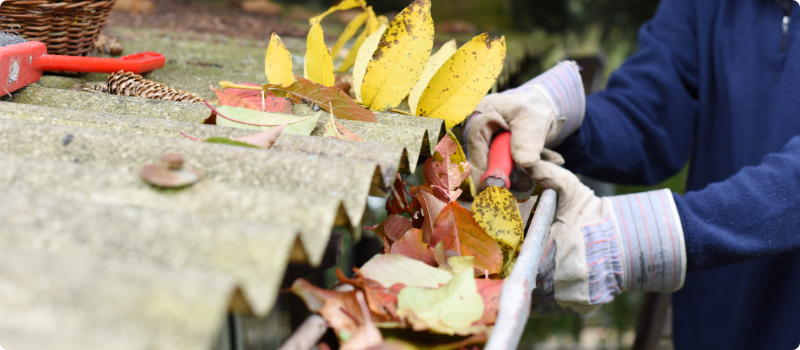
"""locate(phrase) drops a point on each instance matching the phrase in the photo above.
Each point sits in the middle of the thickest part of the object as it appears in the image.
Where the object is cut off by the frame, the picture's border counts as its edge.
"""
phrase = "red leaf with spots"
(459, 232)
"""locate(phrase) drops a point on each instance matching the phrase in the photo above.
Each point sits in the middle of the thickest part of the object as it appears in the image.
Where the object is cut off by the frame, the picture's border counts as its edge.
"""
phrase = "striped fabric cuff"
(651, 244)
(564, 86)
(603, 257)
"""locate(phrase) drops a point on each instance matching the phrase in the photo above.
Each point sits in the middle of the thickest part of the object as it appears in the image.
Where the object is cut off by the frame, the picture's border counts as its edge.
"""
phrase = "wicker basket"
(67, 27)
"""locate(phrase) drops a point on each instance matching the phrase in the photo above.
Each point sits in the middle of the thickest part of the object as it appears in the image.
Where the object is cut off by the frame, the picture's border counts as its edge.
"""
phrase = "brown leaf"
(381, 300)
(490, 292)
(264, 139)
(340, 309)
(397, 203)
(395, 226)
(431, 206)
(344, 107)
(344, 82)
(462, 234)
(444, 173)
(251, 99)
(412, 246)
(367, 335)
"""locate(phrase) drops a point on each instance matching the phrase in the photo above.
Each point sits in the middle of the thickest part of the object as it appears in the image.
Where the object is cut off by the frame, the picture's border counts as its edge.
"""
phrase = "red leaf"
(344, 107)
(397, 203)
(251, 99)
(395, 226)
(444, 173)
(381, 300)
(431, 205)
(412, 246)
(459, 232)
(490, 292)
(340, 309)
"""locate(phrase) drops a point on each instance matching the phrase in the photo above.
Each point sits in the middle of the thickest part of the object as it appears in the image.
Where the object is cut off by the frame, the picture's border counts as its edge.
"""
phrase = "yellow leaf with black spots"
(497, 212)
(400, 58)
(433, 65)
(363, 58)
(460, 84)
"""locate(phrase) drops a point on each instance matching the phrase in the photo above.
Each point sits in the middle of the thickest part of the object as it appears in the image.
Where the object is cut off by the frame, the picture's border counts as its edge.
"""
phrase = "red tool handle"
(500, 162)
(136, 63)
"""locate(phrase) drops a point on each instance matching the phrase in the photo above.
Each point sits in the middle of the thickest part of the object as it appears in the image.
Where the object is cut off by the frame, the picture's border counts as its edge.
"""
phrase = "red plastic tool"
(500, 162)
(23, 64)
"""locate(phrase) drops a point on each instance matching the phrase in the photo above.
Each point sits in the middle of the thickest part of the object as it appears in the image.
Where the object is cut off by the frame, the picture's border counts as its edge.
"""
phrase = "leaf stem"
(227, 84)
(333, 122)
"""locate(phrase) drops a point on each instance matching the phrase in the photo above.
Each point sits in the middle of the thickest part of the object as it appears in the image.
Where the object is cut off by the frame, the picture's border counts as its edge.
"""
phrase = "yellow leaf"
(460, 84)
(383, 20)
(349, 31)
(372, 25)
(364, 57)
(318, 63)
(436, 61)
(344, 5)
(497, 212)
(278, 63)
(400, 58)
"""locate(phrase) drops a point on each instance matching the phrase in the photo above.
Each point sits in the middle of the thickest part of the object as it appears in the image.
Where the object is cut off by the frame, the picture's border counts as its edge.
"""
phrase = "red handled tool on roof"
(23, 62)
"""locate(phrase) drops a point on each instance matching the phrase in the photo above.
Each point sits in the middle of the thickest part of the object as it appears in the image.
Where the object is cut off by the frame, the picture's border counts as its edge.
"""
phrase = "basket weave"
(67, 27)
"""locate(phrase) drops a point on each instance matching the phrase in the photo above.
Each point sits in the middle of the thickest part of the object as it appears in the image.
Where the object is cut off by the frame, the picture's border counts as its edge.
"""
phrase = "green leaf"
(391, 269)
(243, 118)
(228, 141)
(450, 309)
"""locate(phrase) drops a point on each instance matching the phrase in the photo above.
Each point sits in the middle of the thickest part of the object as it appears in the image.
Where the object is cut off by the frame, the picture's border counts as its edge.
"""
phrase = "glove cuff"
(564, 87)
(649, 237)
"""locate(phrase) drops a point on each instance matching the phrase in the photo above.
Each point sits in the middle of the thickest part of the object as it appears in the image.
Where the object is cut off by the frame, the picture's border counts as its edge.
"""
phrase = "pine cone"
(129, 84)
(89, 87)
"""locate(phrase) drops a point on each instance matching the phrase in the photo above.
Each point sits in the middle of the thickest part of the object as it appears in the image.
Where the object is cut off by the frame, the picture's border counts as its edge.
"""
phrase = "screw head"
(172, 161)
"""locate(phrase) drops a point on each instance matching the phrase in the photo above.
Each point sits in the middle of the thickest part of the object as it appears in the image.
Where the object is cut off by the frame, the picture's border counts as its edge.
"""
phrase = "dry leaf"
(412, 246)
(340, 309)
(371, 27)
(391, 269)
(244, 118)
(395, 226)
(318, 63)
(397, 202)
(444, 173)
(363, 58)
(278, 62)
(431, 206)
(450, 309)
(348, 32)
(490, 293)
(381, 300)
(460, 84)
(497, 212)
(343, 106)
(367, 335)
(399, 60)
(436, 61)
(264, 139)
(252, 99)
(461, 234)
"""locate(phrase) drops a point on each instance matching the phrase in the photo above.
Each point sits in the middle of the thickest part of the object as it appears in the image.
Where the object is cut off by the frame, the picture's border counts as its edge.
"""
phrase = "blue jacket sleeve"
(754, 213)
(639, 130)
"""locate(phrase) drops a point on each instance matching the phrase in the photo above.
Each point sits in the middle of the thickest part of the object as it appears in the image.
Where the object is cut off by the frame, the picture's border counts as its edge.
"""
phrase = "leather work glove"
(542, 112)
(600, 247)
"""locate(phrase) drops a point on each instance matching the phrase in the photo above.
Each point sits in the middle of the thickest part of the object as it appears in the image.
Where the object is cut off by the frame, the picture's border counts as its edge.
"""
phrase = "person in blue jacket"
(716, 82)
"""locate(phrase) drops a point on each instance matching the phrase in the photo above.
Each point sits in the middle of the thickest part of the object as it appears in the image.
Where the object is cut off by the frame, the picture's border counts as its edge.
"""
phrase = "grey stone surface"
(346, 179)
(313, 215)
(254, 253)
(79, 302)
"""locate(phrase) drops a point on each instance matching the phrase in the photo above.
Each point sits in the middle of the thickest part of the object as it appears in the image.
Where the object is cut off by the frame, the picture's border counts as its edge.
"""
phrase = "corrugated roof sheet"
(105, 260)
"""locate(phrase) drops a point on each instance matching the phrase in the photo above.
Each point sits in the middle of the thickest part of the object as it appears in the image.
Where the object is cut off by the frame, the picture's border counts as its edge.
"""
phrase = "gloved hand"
(543, 111)
(600, 247)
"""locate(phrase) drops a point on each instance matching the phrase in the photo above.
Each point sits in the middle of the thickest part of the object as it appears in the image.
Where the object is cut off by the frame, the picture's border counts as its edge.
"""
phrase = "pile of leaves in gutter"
(392, 70)
(441, 271)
